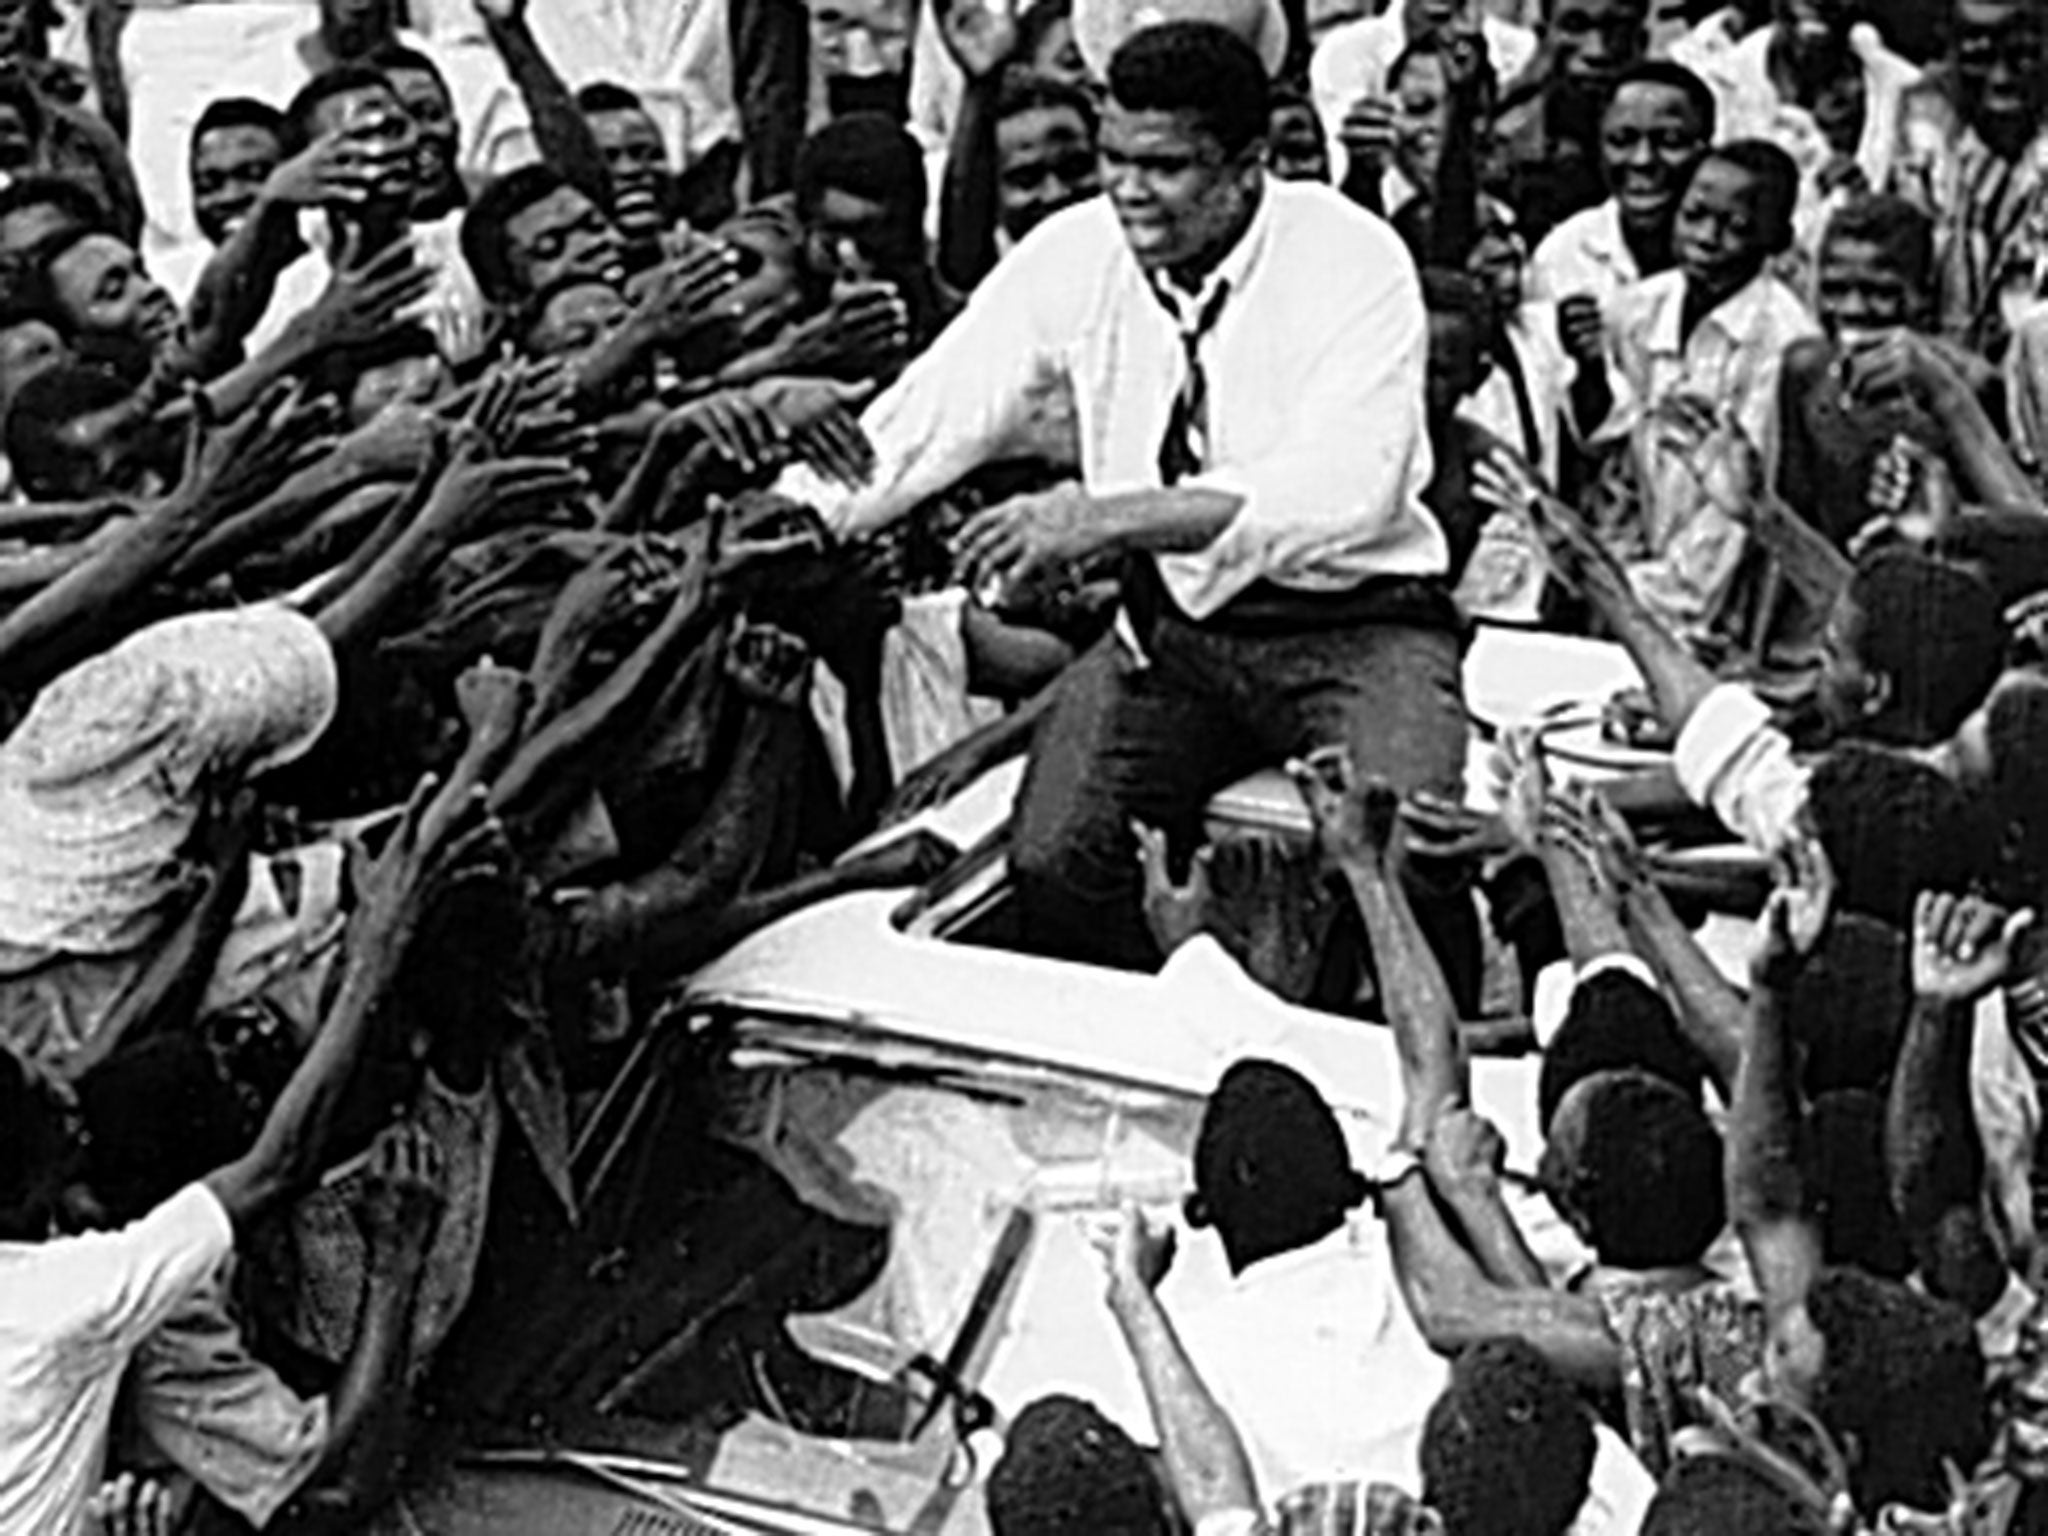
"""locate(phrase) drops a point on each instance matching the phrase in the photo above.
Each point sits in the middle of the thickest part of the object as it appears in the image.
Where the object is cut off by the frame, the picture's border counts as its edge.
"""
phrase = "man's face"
(638, 163)
(2001, 60)
(1722, 236)
(1295, 150)
(229, 167)
(437, 185)
(1860, 289)
(1180, 198)
(1847, 692)
(1651, 141)
(1422, 110)
(563, 233)
(378, 128)
(577, 319)
(1592, 41)
(105, 291)
(355, 27)
(1045, 161)
(860, 51)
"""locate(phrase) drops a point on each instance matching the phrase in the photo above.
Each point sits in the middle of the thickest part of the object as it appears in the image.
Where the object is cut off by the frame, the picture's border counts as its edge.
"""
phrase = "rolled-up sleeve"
(1730, 759)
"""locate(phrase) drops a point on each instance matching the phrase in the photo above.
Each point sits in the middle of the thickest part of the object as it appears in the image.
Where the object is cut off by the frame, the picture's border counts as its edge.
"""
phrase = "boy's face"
(1045, 161)
(1725, 231)
(1859, 289)
(1651, 142)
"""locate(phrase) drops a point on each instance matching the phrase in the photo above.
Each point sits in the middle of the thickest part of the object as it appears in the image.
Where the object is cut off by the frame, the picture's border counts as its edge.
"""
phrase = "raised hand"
(1795, 916)
(1438, 827)
(913, 859)
(1464, 1153)
(230, 467)
(327, 173)
(1962, 947)
(1582, 329)
(863, 332)
(1138, 1252)
(1521, 783)
(1355, 819)
(363, 298)
(1005, 547)
(981, 35)
(740, 429)
(769, 665)
(1174, 912)
(132, 1505)
(404, 1194)
(821, 421)
(682, 293)
(1367, 132)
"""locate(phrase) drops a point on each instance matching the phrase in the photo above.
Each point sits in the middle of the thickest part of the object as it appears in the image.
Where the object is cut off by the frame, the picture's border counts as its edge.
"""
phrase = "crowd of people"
(500, 501)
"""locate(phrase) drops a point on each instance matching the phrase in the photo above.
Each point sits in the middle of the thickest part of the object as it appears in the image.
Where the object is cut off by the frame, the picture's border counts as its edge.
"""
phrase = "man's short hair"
(1847, 1009)
(1036, 93)
(71, 198)
(1640, 1164)
(49, 466)
(1776, 174)
(1719, 1495)
(324, 87)
(483, 226)
(1066, 1470)
(608, 96)
(1934, 628)
(1899, 229)
(389, 56)
(34, 285)
(1198, 68)
(1270, 1159)
(1507, 1449)
(1841, 1157)
(2017, 733)
(225, 112)
(1892, 827)
(1670, 76)
(1615, 1023)
(1903, 1375)
(869, 155)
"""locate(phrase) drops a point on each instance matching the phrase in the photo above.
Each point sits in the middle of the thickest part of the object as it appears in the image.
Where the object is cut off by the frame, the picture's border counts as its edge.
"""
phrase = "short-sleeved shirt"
(1711, 1337)
(73, 1312)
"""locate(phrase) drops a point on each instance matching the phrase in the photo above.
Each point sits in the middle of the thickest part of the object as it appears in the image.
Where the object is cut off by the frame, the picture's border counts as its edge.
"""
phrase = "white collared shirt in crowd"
(1353, 62)
(1315, 390)
(1586, 254)
(1686, 548)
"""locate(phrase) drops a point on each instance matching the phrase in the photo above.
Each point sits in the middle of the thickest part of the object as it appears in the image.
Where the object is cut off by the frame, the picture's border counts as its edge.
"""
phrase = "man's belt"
(1268, 608)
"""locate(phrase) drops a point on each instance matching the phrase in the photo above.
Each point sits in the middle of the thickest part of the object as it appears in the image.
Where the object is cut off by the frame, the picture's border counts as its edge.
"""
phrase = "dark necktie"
(1184, 449)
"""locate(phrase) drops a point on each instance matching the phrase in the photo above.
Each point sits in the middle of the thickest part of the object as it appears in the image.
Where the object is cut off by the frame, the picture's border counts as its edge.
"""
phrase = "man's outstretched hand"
(1175, 912)
(1795, 917)
(404, 1195)
(1962, 947)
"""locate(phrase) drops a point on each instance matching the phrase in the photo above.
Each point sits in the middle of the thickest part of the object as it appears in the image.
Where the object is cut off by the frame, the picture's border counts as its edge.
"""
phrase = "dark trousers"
(1154, 742)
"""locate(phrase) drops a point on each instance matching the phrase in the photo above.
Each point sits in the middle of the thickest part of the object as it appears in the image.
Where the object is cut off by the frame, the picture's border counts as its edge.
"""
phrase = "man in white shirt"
(1246, 359)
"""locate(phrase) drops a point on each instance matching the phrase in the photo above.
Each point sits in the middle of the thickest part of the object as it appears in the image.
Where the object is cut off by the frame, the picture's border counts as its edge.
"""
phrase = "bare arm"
(566, 141)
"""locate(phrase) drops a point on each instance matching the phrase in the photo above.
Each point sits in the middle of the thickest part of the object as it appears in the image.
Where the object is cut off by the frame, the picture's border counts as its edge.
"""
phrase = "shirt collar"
(1734, 316)
(1235, 269)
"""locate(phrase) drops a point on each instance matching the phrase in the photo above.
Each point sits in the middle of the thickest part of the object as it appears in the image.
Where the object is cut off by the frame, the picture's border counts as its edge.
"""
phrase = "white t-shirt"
(73, 1311)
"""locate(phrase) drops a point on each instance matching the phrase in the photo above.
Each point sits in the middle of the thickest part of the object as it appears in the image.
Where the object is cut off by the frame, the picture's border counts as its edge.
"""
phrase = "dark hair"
(1719, 1495)
(1903, 1375)
(1198, 68)
(1639, 1164)
(1900, 229)
(1507, 1449)
(1035, 93)
(18, 93)
(1036, 21)
(2017, 731)
(608, 96)
(388, 56)
(69, 197)
(1893, 827)
(483, 226)
(1271, 1164)
(34, 287)
(1848, 1007)
(1615, 1022)
(323, 87)
(1430, 45)
(31, 1137)
(869, 155)
(1775, 173)
(225, 112)
(1666, 75)
(1841, 1154)
(1934, 628)
(161, 1115)
(1066, 1470)
(48, 466)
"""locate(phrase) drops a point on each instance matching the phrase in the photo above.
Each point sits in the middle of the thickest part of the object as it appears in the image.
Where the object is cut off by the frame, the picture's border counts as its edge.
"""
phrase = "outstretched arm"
(565, 139)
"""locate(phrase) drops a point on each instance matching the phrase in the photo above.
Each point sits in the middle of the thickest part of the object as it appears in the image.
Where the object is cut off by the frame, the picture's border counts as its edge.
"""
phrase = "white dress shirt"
(1586, 254)
(1353, 61)
(1315, 394)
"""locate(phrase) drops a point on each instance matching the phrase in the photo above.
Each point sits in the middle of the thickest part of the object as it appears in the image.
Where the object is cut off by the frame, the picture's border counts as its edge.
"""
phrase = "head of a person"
(1633, 1166)
(33, 208)
(1420, 89)
(1999, 51)
(635, 157)
(1046, 47)
(1816, 30)
(29, 347)
(1183, 135)
(236, 144)
(99, 294)
(1656, 130)
(1272, 1172)
(1900, 1386)
(1295, 147)
(158, 1114)
(529, 228)
(861, 194)
(573, 315)
(21, 124)
(2000, 756)
(1045, 151)
(417, 82)
(1848, 1008)
(860, 55)
(358, 102)
(1615, 1021)
(1507, 1449)
(1841, 1154)
(42, 1152)
(1716, 1495)
(354, 29)
(1068, 1470)
(1875, 269)
(1912, 646)
(71, 436)
(1894, 826)
(1736, 215)
(1458, 330)
(1590, 42)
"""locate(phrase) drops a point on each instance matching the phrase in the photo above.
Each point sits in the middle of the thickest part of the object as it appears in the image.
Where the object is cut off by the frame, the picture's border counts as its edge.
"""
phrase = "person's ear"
(1195, 1211)
(1877, 694)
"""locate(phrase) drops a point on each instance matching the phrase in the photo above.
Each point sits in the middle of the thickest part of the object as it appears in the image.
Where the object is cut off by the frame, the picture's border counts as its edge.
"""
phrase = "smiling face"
(638, 162)
(438, 186)
(229, 167)
(105, 292)
(2000, 49)
(563, 234)
(1593, 41)
(1045, 161)
(1295, 148)
(1422, 110)
(1181, 199)
(1861, 289)
(1651, 141)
